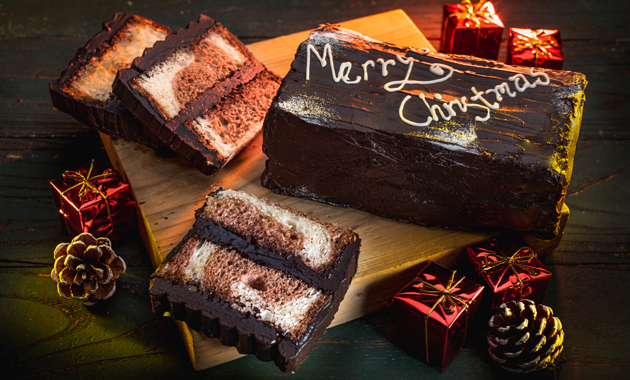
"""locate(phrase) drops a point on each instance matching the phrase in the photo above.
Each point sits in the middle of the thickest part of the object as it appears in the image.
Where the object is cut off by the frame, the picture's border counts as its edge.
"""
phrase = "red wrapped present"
(96, 201)
(471, 29)
(535, 48)
(509, 269)
(429, 317)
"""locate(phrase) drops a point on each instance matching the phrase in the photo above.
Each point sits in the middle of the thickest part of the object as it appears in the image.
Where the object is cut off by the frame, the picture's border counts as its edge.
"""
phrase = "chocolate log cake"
(84, 89)
(201, 92)
(423, 137)
(221, 281)
(291, 241)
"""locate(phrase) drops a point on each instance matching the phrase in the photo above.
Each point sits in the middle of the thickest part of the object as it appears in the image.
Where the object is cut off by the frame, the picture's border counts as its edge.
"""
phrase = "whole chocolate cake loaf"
(201, 92)
(423, 137)
(228, 279)
(84, 89)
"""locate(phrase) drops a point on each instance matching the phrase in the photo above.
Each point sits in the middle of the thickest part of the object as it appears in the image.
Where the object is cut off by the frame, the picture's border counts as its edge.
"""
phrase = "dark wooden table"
(43, 335)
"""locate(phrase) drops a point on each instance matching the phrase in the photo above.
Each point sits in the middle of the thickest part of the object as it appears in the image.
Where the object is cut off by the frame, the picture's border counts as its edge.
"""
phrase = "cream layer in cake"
(286, 239)
(269, 295)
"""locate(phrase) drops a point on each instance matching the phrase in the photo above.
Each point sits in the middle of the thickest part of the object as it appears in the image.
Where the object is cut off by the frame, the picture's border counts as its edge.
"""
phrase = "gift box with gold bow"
(95, 200)
(509, 269)
(535, 48)
(471, 29)
(429, 316)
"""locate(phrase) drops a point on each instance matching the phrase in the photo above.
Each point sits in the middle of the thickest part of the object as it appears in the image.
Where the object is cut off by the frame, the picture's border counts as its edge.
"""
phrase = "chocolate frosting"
(110, 117)
(347, 144)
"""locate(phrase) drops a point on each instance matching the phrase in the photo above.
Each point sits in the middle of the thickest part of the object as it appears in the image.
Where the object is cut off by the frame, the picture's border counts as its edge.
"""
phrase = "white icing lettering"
(435, 68)
(344, 68)
(403, 118)
(384, 63)
(540, 74)
(365, 66)
(442, 71)
(524, 86)
(477, 95)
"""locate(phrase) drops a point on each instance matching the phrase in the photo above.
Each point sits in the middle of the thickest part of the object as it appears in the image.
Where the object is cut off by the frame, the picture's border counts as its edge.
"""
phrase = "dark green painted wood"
(42, 335)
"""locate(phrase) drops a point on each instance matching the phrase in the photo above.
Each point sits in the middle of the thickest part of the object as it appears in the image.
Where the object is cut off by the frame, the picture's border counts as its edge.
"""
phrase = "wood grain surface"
(45, 336)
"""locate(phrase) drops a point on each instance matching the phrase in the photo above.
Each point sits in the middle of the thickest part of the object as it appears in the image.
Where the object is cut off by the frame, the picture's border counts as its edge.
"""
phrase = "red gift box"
(471, 29)
(96, 201)
(509, 269)
(535, 48)
(429, 316)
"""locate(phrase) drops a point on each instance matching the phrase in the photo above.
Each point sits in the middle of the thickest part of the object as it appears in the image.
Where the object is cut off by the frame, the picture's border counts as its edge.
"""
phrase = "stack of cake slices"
(257, 275)
(199, 92)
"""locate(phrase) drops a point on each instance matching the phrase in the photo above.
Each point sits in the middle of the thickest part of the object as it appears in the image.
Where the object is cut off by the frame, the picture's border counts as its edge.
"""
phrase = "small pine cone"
(525, 337)
(87, 269)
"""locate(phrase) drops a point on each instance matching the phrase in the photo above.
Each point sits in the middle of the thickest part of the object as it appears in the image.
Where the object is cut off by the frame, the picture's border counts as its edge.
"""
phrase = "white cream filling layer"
(318, 242)
(225, 149)
(95, 79)
(285, 315)
(159, 80)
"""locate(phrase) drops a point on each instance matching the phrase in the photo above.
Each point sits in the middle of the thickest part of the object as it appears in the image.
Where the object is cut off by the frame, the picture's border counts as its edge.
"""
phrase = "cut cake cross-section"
(245, 297)
(84, 89)
(294, 242)
(201, 91)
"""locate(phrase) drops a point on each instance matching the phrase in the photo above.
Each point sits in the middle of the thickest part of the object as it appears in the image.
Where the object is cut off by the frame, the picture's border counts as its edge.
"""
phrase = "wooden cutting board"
(169, 190)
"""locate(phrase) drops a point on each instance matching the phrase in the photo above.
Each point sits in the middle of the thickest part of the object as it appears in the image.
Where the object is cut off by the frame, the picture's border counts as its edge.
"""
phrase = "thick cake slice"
(316, 252)
(201, 91)
(259, 309)
(84, 89)
(423, 137)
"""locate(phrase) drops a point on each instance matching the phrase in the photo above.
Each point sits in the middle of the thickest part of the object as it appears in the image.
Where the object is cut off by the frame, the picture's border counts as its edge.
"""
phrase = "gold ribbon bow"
(86, 184)
(537, 44)
(447, 299)
(474, 12)
(516, 260)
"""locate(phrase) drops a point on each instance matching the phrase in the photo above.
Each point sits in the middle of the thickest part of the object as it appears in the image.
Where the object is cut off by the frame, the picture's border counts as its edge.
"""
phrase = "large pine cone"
(525, 337)
(87, 269)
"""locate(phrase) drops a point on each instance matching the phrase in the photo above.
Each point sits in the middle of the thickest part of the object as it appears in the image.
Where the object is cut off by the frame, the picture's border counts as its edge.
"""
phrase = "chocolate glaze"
(173, 132)
(350, 147)
(328, 279)
(216, 319)
(111, 118)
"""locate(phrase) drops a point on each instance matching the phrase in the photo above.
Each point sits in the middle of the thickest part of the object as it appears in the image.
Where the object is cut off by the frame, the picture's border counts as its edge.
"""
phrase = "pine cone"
(525, 337)
(87, 269)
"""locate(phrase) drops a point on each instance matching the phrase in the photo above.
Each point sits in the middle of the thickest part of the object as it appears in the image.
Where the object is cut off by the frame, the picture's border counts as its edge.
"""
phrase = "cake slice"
(84, 89)
(232, 289)
(307, 248)
(201, 92)
(423, 137)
